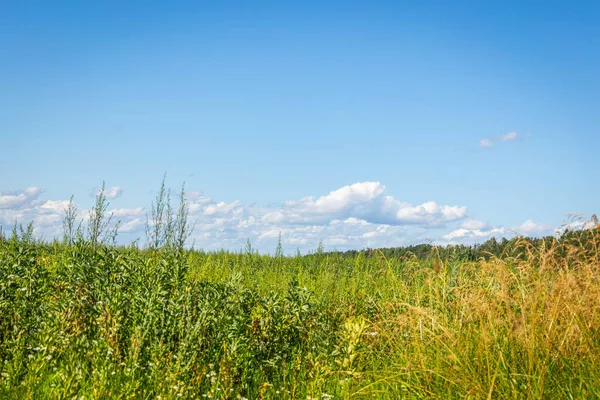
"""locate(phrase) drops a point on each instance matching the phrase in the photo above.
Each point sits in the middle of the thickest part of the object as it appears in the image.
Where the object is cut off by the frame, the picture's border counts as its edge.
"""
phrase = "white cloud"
(574, 226)
(354, 216)
(486, 143)
(48, 215)
(223, 208)
(363, 200)
(134, 225)
(47, 220)
(196, 196)
(111, 193)
(532, 228)
(508, 137)
(429, 213)
(12, 200)
(56, 206)
(473, 224)
(472, 235)
(126, 212)
(473, 231)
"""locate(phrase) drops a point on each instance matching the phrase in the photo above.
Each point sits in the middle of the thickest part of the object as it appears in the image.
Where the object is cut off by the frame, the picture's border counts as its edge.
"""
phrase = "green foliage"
(98, 222)
(71, 233)
(99, 321)
(167, 228)
(490, 249)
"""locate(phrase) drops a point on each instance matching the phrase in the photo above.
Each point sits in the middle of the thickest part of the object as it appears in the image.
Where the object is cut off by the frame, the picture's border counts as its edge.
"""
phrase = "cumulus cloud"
(223, 208)
(132, 226)
(473, 224)
(508, 137)
(111, 193)
(473, 235)
(338, 234)
(47, 215)
(25, 206)
(358, 215)
(355, 216)
(14, 200)
(473, 231)
(127, 212)
(532, 228)
(363, 200)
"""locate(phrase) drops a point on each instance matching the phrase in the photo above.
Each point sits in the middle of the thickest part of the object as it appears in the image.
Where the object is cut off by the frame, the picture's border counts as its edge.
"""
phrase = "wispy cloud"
(486, 143)
(509, 137)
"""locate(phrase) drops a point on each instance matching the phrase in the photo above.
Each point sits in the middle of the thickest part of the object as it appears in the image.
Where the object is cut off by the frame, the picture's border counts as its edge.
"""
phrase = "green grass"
(89, 321)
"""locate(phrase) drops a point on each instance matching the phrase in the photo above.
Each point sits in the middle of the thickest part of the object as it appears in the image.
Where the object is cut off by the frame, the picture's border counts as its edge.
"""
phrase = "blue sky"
(488, 107)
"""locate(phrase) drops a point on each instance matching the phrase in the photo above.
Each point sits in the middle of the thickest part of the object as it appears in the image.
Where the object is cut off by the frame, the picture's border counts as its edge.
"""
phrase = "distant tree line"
(493, 247)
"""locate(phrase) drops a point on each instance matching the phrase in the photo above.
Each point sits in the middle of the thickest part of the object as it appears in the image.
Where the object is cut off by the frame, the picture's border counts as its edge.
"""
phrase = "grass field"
(92, 321)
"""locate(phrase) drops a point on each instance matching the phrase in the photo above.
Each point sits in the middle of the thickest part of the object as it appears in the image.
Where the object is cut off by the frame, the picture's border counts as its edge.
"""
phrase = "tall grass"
(85, 319)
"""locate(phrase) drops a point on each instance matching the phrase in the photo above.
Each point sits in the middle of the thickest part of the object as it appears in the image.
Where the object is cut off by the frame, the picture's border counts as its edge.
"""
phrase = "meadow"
(82, 318)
